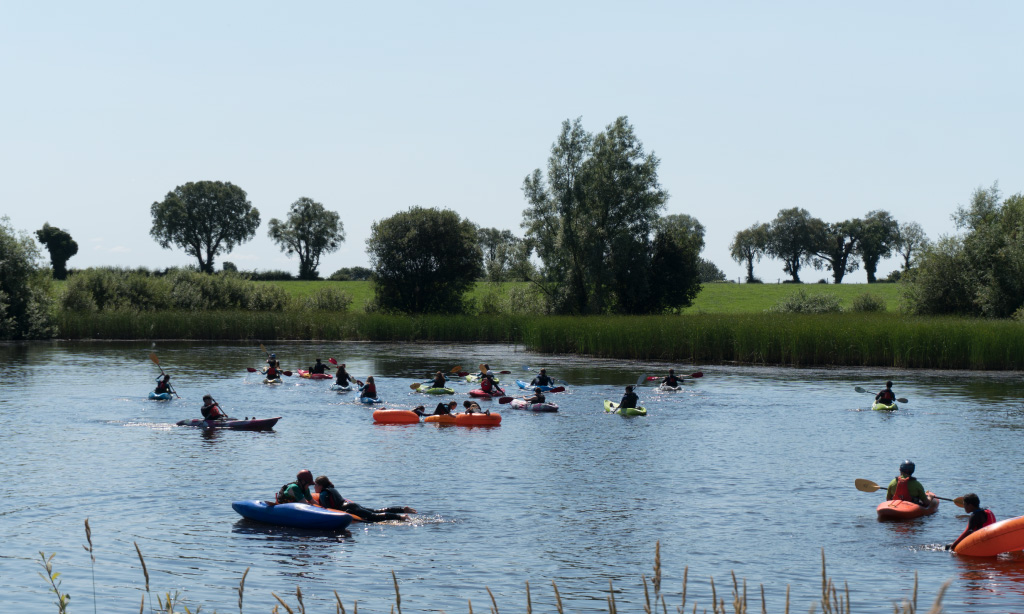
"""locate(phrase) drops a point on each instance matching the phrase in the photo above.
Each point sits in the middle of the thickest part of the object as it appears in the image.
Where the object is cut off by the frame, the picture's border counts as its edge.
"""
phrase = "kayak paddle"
(859, 389)
(868, 486)
(252, 370)
(455, 369)
(156, 361)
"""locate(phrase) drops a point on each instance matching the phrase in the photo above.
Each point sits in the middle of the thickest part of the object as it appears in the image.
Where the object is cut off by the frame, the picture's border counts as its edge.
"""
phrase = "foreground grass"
(847, 339)
(833, 599)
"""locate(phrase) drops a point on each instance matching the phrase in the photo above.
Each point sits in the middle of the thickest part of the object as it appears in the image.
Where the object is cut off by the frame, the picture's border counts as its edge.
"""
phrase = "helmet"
(907, 467)
(273, 355)
(305, 477)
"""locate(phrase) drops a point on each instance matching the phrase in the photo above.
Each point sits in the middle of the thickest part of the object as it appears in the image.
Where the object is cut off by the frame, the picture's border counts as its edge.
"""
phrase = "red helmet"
(305, 477)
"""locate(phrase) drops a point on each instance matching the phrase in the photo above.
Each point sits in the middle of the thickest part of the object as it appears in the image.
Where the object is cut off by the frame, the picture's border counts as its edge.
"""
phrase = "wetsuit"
(319, 368)
(907, 489)
(331, 498)
(439, 382)
(442, 410)
(293, 493)
(979, 518)
(629, 400)
(542, 380)
(343, 378)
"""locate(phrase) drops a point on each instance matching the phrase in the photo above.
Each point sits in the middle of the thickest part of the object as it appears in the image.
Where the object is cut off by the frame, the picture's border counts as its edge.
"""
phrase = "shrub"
(802, 302)
(868, 302)
(328, 299)
(270, 276)
(229, 267)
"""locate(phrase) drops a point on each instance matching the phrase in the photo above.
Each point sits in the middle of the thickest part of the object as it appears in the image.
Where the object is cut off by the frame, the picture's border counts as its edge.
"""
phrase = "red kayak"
(264, 424)
(486, 395)
(308, 375)
(905, 510)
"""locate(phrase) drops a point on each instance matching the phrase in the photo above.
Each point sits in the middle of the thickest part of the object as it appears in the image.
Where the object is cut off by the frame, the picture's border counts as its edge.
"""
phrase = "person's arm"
(976, 522)
(890, 491)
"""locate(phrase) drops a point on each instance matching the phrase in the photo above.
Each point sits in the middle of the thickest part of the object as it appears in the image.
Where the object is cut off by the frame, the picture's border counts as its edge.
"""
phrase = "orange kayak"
(995, 539)
(905, 510)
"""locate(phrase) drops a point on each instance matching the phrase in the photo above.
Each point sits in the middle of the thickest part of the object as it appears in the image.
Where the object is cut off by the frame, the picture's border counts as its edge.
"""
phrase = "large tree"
(506, 256)
(310, 231)
(61, 247)
(593, 224)
(204, 218)
(423, 260)
(748, 246)
(835, 246)
(879, 232)
(24, 287)
(792, 237)
(911, 240)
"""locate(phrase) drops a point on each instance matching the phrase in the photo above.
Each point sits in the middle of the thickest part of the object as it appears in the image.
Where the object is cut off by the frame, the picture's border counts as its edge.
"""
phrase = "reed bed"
(834, 600)
(846, 339)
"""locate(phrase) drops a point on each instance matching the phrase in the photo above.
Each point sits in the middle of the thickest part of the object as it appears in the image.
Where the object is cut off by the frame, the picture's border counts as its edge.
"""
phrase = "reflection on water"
(746, 469)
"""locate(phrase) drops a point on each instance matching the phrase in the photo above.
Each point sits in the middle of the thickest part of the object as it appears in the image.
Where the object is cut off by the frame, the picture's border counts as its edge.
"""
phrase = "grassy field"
(714, 298)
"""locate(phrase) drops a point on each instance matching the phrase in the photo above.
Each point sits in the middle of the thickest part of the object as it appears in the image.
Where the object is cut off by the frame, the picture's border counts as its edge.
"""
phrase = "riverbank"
(848, 339)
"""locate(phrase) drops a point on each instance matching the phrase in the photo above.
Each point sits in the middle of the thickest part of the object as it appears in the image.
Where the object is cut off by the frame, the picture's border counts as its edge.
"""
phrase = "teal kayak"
(613, 408)
(884, 407)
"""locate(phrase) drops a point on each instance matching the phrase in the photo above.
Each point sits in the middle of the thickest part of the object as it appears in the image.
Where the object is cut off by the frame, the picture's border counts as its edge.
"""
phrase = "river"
(748, 469)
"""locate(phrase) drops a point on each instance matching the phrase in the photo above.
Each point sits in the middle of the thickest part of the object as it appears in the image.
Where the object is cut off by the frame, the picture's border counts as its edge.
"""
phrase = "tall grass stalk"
(92, 565)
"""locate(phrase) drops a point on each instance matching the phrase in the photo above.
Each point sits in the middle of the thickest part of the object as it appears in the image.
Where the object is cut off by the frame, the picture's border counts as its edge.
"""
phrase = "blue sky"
(371, 108)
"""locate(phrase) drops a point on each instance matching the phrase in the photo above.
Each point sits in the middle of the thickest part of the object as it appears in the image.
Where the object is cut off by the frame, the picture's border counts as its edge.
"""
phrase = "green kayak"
(613, 408)
(426, 390)
(884, 407)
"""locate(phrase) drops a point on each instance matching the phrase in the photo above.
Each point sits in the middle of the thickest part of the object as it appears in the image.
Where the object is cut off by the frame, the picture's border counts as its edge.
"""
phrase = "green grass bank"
(846, 339)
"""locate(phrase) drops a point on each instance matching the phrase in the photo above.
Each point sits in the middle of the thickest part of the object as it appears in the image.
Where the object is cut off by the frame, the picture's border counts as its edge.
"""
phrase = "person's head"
(207, 399)
(317, 361)
(273, 355)
(543, 371)
(971, 502)
(438, 374)
(304, 478)
(629, 388)
(671, 371)
(167, 377)
(907, 468)
(466, 404)
(369, 380)
(342, 366)
(453, 404)
(321, 482)
(888, 384)
(487, 367)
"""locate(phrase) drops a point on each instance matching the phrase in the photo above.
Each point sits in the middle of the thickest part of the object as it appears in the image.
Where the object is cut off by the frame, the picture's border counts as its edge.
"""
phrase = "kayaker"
(343, 378)
(445, 409)
(163, 384)
(671, 380)
(887, 396)
(210, 409)
(319, 368)
(905, 487)
(538, 397)
(439, 380)
(472, 407)
(980, 517)
(297, 491)
(369, 389)
(271, 361)
(332, 499)
(490, 385)
(630, 399)
(542, 379)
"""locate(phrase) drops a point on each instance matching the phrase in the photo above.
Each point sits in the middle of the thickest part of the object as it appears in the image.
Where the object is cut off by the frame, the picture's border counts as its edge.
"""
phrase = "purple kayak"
(262, 424)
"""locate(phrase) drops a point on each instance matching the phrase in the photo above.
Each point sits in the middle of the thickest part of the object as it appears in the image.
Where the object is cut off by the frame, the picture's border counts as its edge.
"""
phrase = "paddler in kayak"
(542, 379)
(472, 407)
(319, 368)
(537, 397)
(905, 487)
(671, 380)
(439, 380)
(369, 389)
(343, 378)
(980, 517)
(332, 499)
(489, 384)
(629, 399)
(887, 396)
(210, 409)
(163, 384)
(297, 491)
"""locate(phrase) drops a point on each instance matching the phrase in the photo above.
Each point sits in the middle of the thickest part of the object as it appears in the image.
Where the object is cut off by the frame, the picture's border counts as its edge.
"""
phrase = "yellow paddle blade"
(262, 347)
(959, 502)
(153, 357)
(415, 386)
(865, 485)
(456, 369)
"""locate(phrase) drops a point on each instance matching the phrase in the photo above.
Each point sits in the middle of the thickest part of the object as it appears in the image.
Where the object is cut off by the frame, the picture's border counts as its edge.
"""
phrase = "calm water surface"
(748, 469)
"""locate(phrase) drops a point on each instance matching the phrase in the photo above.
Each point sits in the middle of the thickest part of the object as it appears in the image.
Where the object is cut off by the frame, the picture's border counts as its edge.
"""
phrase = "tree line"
(798, 239)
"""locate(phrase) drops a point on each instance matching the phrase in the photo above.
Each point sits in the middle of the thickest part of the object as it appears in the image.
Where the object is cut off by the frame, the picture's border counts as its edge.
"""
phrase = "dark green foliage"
(911, 240)
(835, 245)
(979, 273)
(792, 237)
(879, 234)
(748, 246)
(356, 273)
(593, 224)
(424, 261)
(61, 247)
(328, 299)
(204, 218)
(24, 287)
(802, 302)
(309, 232)
(506, 256)
(228, 267)
(269, 275)
(708, 272)
(868, 302)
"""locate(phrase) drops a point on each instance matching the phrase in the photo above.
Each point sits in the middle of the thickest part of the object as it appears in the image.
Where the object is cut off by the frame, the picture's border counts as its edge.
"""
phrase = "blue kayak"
(370, 400)
(163, 396)
(526, 386)
(298, 515)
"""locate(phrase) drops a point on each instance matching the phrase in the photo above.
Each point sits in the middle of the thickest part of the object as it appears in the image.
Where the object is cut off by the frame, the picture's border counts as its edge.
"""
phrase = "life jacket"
(438, 383)
(162, 387)
(485, 384)
(887, 396)
(331, 498)
(990, 518)
(629, 400)
(902, 491)
(369, 391)
(208, 413)
(273, 373)
(671, 380)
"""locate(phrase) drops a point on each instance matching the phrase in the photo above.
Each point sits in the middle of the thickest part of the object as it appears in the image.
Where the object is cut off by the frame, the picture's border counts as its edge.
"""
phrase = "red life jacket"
(887, 396)
(485, 384)
(902, 491)
(272, 373)
(990, 518)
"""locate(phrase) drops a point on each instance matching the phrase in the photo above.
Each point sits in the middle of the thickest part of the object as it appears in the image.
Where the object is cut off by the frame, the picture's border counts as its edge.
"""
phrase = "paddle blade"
(287, 373)
(651, 378)
(332, 361)
(640, 380)
(859, 389)
(557, 389)
(250, 369)
(264, 348)
(153, 357)
(505, 400)
(865, 485)
(697, 374)
(463, 373)
(902, 400)
(504, 372)
(415, 386)
(959, 502)
(455, 369)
